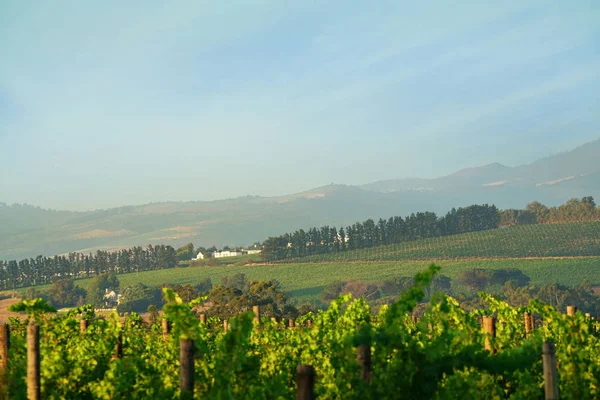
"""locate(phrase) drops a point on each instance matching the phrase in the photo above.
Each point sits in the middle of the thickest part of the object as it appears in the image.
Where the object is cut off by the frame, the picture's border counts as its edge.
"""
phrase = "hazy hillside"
(548, 178)
(28, 231)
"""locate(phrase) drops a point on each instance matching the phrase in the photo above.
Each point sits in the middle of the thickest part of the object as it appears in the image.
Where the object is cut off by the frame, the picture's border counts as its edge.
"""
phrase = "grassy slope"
(306, 280)
(27, 232)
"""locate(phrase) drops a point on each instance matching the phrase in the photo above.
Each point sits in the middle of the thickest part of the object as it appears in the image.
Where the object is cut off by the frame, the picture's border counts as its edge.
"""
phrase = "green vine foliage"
(442, 356)
(35, 309)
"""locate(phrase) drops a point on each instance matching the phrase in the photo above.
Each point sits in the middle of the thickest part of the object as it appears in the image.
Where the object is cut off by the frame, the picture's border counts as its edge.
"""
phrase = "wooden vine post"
(489, 328)
(550, 381)
(363, 356)
(528, 317)
(186, 370)
(4, 346)
(291, 323)
(202, 318)
(256, 311)
(305, 382)
(571, 311)
(83, 324)
(309, 323)
(166, 329)
(33, 362)
(225, 325)
(531, 321)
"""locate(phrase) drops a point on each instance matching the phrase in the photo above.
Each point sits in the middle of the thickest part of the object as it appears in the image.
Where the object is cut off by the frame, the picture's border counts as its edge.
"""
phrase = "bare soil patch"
(4, 313)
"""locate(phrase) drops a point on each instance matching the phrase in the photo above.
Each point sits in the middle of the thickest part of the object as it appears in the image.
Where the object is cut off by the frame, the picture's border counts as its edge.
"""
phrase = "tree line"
(44, 270)
(584, 209)
(369, 233)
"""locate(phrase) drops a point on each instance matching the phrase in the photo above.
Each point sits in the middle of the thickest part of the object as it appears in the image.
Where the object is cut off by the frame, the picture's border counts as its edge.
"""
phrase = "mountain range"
(27, 231)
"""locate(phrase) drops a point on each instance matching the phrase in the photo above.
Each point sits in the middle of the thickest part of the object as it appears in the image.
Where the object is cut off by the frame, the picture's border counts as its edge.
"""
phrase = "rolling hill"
(548, 253)
(26, 231)
(569, 240)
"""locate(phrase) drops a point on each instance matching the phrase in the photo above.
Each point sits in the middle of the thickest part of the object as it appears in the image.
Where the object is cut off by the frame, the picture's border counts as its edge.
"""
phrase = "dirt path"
(299, 261)
(4, 313)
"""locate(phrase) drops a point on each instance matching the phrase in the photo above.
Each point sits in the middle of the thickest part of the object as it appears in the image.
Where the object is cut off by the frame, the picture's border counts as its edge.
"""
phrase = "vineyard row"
(305, 374)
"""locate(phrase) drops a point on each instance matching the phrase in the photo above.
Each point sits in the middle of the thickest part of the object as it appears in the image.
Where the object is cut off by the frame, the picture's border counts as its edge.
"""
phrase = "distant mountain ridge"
(575, 164)
(27, 231)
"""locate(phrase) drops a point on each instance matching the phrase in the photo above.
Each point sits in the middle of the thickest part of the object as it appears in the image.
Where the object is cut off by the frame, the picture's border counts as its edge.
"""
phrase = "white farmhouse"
(111, 298)
(199, 256)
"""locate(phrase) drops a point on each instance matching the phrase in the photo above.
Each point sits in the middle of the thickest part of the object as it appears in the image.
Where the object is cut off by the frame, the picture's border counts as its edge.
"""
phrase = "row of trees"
(584, 209)
(44, 270)
(369, 233)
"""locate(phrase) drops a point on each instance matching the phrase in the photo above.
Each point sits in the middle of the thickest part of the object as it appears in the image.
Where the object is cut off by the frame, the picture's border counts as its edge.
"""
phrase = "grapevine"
(442, 355)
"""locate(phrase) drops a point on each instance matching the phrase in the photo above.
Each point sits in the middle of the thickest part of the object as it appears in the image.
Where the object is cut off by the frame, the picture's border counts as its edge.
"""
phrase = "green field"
(542, 240)
(305, 281)
(561, 253)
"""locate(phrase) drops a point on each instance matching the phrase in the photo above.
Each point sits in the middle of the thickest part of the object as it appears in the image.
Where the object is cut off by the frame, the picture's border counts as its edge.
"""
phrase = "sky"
(115, 103)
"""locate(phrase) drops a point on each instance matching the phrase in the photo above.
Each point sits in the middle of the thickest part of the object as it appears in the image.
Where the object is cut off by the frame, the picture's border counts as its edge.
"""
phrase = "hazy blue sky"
(120, 102)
